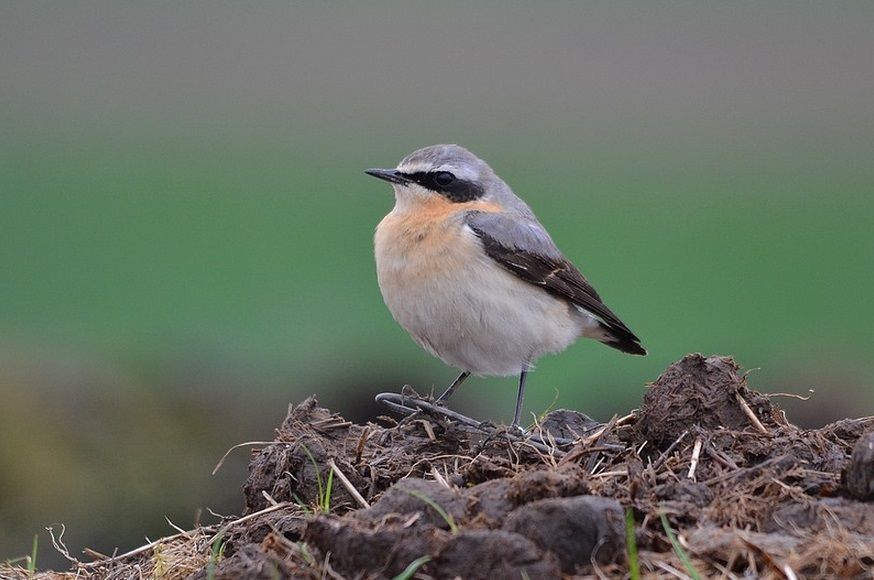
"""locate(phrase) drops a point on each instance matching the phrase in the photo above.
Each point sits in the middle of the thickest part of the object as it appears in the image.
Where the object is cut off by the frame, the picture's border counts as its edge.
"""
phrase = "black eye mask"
(447, 185)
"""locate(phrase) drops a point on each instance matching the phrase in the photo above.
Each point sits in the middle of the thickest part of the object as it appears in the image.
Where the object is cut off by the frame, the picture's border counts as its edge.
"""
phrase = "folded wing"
(523, 247)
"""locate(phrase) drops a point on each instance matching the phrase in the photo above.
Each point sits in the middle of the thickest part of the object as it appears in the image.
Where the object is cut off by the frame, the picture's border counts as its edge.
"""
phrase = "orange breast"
(426, 240)
(428, 225)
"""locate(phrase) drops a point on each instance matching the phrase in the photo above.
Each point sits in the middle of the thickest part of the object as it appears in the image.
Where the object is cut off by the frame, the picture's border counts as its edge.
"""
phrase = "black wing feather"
(559, 277)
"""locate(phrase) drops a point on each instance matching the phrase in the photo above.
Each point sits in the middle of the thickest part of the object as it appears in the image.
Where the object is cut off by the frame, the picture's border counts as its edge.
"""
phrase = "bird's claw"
(408, 403)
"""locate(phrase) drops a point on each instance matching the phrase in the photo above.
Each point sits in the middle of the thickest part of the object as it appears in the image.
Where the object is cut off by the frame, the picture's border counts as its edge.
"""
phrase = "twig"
(671, 570)
(598, 464)
(664, 456)
(348, 484)
(174, 526)
(725, 570)
(438, 477)
(362, 441)
(596, 438)
(253, 515)
(215, 514)
(719, 457)
(94, 554)
(413, 519)
(629, 418)
(429, 430)
(610, 473)
(746, 470)
(429, 458)
(330, 423)
(579, 451)
(792, 395)
(750, 415)
(598, 432)
(328, 570)
(59, 545)
(696, 454)
(237, 446)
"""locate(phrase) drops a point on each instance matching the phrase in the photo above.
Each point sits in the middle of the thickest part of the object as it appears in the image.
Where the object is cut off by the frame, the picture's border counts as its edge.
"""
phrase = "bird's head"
(447, 172)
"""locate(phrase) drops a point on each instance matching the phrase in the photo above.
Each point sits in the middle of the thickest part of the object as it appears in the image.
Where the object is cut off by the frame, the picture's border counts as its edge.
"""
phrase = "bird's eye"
(443, 178)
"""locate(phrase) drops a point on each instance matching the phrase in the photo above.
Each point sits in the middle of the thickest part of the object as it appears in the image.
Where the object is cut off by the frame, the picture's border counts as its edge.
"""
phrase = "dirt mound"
(706, 392)
(747, 492)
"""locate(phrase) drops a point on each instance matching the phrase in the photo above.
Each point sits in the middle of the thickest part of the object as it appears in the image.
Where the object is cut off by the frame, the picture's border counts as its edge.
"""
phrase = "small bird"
(465, 268)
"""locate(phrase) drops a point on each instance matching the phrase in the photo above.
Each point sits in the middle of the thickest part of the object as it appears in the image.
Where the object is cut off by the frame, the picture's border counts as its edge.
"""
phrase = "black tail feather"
(622, 339)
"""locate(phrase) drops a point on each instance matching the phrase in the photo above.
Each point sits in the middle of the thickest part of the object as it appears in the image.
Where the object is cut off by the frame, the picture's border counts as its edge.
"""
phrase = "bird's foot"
(519, 429)
(410, 404)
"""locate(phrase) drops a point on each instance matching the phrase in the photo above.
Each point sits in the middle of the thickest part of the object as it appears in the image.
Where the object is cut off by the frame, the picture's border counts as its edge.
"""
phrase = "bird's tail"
(621, 338)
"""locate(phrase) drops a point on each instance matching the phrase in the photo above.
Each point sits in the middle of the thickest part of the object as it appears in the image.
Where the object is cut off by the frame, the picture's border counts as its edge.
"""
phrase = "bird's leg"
(519, 398)
(455, 384)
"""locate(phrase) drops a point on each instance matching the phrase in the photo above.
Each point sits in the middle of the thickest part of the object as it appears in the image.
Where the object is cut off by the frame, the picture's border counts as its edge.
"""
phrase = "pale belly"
(465, 309)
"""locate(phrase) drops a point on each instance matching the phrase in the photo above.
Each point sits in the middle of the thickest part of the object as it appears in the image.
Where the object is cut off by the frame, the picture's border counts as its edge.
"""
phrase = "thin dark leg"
(455, 384)
(519, 397)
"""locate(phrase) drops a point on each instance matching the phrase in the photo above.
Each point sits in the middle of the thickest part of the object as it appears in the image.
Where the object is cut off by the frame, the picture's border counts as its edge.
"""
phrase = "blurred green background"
(186, 232)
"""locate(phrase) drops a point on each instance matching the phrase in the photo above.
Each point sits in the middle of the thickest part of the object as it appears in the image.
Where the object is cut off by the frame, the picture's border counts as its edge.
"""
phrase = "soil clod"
(487, 554)
(575, 529)
(704, 392)
(860, 471)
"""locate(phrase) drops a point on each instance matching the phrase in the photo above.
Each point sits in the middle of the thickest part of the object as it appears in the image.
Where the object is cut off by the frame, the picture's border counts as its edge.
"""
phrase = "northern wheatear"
(465, 267)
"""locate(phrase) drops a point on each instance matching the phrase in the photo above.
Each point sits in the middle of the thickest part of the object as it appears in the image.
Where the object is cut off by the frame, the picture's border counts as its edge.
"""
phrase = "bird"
(466, 268)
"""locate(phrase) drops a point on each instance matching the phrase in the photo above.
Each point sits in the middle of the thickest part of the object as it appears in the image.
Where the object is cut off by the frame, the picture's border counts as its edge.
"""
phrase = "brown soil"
(747, 493)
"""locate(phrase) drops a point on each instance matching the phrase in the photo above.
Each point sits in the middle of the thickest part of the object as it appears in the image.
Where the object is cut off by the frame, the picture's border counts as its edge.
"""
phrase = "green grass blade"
(412, 568)
(631, 545)
(678, 549)
(318, 474)
(216, 551)
(31, 562)
(329, 487)
(447, 517)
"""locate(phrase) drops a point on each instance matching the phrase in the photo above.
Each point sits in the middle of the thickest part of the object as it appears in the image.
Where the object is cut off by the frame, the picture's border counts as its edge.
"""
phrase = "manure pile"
(742, 491)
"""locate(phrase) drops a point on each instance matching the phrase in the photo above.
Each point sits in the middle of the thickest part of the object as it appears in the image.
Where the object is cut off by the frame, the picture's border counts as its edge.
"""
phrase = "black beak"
(390, 175)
